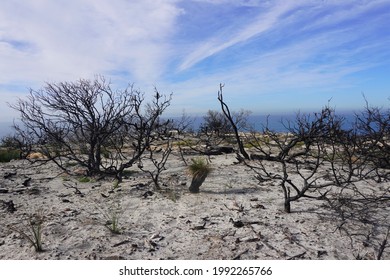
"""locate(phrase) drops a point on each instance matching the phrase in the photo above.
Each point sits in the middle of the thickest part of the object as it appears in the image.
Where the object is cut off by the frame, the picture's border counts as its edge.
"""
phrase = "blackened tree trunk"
(197, 181)
(226, 112)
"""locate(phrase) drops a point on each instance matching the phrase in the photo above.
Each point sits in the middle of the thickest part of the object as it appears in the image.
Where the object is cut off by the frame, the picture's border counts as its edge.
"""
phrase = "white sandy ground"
(176, 224)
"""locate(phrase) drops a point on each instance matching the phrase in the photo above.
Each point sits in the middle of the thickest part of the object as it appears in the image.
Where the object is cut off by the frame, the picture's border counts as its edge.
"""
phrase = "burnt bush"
(88, 122)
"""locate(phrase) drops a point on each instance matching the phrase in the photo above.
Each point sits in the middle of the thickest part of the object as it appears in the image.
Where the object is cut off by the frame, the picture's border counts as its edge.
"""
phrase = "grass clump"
(110, 213)
(112, 216)
(199, 166)
(31, 229)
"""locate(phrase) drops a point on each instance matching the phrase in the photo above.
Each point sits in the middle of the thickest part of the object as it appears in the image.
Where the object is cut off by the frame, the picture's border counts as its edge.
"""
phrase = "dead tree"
(67, 119)
(233, 123)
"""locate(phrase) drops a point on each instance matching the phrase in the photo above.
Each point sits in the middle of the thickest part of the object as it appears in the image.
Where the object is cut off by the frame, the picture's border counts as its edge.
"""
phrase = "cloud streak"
(261, 24)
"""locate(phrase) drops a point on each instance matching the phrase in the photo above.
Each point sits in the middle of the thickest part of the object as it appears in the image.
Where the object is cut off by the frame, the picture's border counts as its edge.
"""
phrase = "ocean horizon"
(277, 122)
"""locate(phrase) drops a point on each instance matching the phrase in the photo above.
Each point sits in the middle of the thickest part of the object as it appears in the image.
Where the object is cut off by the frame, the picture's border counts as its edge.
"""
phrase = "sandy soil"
(233, 217)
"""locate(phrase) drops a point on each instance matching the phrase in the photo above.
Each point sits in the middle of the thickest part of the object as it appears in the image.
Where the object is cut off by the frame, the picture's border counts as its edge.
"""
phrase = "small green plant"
(249, 145)
(84, 180)
(8, 155)
(199, 169)
(113, 224)
(110, 214)
(116, 184)
(185, 143)
(227, 186)
(172, 195)
(31, 229)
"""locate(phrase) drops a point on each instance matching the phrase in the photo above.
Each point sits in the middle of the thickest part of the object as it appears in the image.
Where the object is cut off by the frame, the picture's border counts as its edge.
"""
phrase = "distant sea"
(275, 122)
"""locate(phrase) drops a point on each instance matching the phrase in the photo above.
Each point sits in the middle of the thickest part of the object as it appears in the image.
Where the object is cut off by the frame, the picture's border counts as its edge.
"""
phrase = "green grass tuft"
(199, 166)
(31, 229)
(84, 180)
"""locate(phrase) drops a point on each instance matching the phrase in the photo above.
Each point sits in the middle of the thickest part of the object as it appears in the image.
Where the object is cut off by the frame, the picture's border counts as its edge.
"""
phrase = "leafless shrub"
(297, 157)
(18, 142)
(373, 127)
(215, 123)
(158, 156)
(143, 128)
(322, 157)
(182, 125)
(103, 130)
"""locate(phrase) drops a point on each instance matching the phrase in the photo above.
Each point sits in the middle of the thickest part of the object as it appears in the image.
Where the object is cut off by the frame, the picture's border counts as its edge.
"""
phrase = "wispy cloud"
(260, 24)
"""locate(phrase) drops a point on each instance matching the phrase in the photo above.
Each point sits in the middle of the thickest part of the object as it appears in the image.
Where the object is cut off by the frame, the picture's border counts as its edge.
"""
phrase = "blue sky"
(272, 56)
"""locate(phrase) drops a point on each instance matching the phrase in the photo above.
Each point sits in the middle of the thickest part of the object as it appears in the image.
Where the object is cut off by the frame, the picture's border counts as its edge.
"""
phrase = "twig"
(77, 191)
(8, 175)
(297, 256)
(199, 227)
(121, 243)
(238, 256)
(383, 245)
(238, 208)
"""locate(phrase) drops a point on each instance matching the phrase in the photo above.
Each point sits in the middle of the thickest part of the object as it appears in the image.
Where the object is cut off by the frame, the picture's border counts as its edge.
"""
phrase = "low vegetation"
(7, 155)
(31, 229)
(199, 169)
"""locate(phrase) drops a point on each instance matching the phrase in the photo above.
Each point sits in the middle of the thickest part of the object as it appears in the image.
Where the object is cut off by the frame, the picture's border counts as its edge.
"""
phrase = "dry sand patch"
(233, 217)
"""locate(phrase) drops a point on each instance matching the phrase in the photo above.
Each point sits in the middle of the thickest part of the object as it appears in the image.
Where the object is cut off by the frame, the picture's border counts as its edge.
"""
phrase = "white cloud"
(69, 39)
(45, 41)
